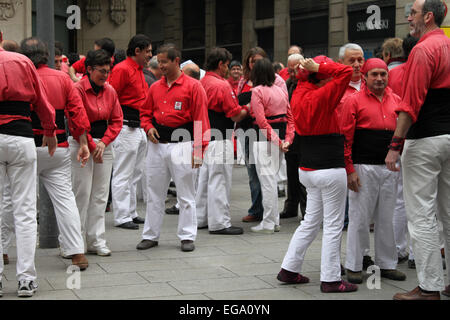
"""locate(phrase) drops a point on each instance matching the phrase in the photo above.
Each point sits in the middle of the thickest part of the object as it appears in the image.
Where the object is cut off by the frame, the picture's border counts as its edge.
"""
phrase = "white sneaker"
(259, 229)
(102, 252)
(26, 288)
(277, 229)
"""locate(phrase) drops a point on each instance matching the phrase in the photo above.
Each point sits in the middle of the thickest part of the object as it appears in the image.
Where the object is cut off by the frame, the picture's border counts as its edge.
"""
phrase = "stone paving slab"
(188, 274)
(125, 292)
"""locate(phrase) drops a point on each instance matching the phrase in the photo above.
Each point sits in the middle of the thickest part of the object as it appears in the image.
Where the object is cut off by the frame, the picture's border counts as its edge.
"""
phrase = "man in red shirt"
(292, 50)
(235, 75)
(54, 172)
(20, 86)
(214, 184)
(79, 67)
(369, 120)
(174, 114)
(424, 120)
(130, 146)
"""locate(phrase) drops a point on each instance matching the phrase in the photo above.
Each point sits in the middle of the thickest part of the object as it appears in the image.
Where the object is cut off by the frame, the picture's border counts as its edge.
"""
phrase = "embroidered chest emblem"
(178, 105)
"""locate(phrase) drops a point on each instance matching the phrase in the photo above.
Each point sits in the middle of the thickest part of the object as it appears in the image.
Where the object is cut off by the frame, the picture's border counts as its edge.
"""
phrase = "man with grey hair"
(424, 120)
(294, 49)
(152, 73)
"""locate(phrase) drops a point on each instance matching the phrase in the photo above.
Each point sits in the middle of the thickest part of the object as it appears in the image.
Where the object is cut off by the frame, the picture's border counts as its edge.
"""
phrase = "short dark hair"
(140, 41)
(438, 9)
(10, 45)
(250, 53)
(106, 44)
(35, 49)
(262, 73)
(59, 45)
(408, 44)
(119, 56)
(73, 57)
(58, 52)
(277, 67)
(172, 51)
(97, 58)
(215, 57)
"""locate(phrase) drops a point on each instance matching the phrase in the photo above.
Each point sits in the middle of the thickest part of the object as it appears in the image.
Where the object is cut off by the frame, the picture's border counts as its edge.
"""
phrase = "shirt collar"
(213, 74)
(386, 94)
(86, 84)
(179, 81)
(134, 64)
(431, 33)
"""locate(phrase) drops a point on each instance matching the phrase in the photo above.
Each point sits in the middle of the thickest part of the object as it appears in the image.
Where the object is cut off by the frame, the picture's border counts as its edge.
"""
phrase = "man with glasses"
(424, 120)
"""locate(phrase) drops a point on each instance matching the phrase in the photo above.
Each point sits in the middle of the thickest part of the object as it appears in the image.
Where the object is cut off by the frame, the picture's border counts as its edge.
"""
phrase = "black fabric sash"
(434, 116)
(371, 146)
(244, 99)
(280, 126)
(15, 108)
(21, 128)
(131, 117)
(165, 133)
(39, 138)
(59, 120)
(220, 122)
(98, 129)
(322, 152)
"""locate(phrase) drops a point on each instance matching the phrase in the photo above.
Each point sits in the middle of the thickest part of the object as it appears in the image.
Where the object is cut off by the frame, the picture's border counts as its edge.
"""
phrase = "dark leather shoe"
(354, 277)
(229, 231)
(411, 264)
(446, 292)
(5, 259)
(342, 270)
(139, 220)
(187, 245)
(173, 211)
(129, 225)
(367, 262)
(393, 275)
(172, 193)
(285, 214)
(281, 193)
(80, 261)
(251, 219)
(417, 294)
(146, 244)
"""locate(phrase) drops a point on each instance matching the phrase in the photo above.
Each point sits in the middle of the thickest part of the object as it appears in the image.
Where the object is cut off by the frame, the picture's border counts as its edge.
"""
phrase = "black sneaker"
(173, 210)
(139, 220)
(26, 288)
(367, 262)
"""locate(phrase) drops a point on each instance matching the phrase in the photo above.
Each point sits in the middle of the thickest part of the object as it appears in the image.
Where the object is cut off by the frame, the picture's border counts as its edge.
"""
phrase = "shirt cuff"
(403, 107)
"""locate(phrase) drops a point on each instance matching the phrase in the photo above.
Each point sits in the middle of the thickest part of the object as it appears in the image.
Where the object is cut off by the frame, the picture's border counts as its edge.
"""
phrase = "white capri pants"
(91, 189)
(326, 199)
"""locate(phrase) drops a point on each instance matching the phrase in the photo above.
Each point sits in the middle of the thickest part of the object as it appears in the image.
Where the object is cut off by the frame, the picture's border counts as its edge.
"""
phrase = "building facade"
(196, 26)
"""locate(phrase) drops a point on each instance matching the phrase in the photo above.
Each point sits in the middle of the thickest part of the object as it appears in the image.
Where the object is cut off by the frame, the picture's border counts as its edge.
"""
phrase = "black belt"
(280, 126)
(38, 139)
(98, 129)
(166, 133)
(131, 117)
(15, 108)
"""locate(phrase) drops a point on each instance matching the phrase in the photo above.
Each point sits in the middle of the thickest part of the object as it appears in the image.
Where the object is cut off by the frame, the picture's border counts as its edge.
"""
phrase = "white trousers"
(282, 175)
(214, 186)
(375, 201)
(326, 199)
(129, 152)
(55, 174)
(7, 217)
(91, 189)
(426, 188)
(268, 159)
(18, 164)
(166, 161)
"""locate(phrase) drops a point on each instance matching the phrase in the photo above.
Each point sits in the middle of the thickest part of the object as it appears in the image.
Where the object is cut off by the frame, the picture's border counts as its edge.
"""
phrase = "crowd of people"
(105, 125)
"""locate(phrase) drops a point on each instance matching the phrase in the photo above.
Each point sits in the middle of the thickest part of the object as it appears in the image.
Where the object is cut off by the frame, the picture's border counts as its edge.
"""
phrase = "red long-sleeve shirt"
(128, 79)
(19, 81)
(183, 102)
(104, 106)
(79, 66)
(284, 74)
(363, 110)
(428, 67)
(314, 108)
(395, 79)
(62, 96)
(221, 96)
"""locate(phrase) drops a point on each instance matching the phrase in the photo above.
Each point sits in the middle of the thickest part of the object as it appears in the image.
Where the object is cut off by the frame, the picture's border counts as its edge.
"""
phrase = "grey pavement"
(221, 268)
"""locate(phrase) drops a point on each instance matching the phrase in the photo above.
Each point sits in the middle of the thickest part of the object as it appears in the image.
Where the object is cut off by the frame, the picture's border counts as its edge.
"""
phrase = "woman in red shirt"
(274, 128)
(91, 184)
(322, 172)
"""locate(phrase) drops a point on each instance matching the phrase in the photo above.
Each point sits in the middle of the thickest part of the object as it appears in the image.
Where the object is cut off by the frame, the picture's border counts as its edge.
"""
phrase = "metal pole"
(45, 23)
